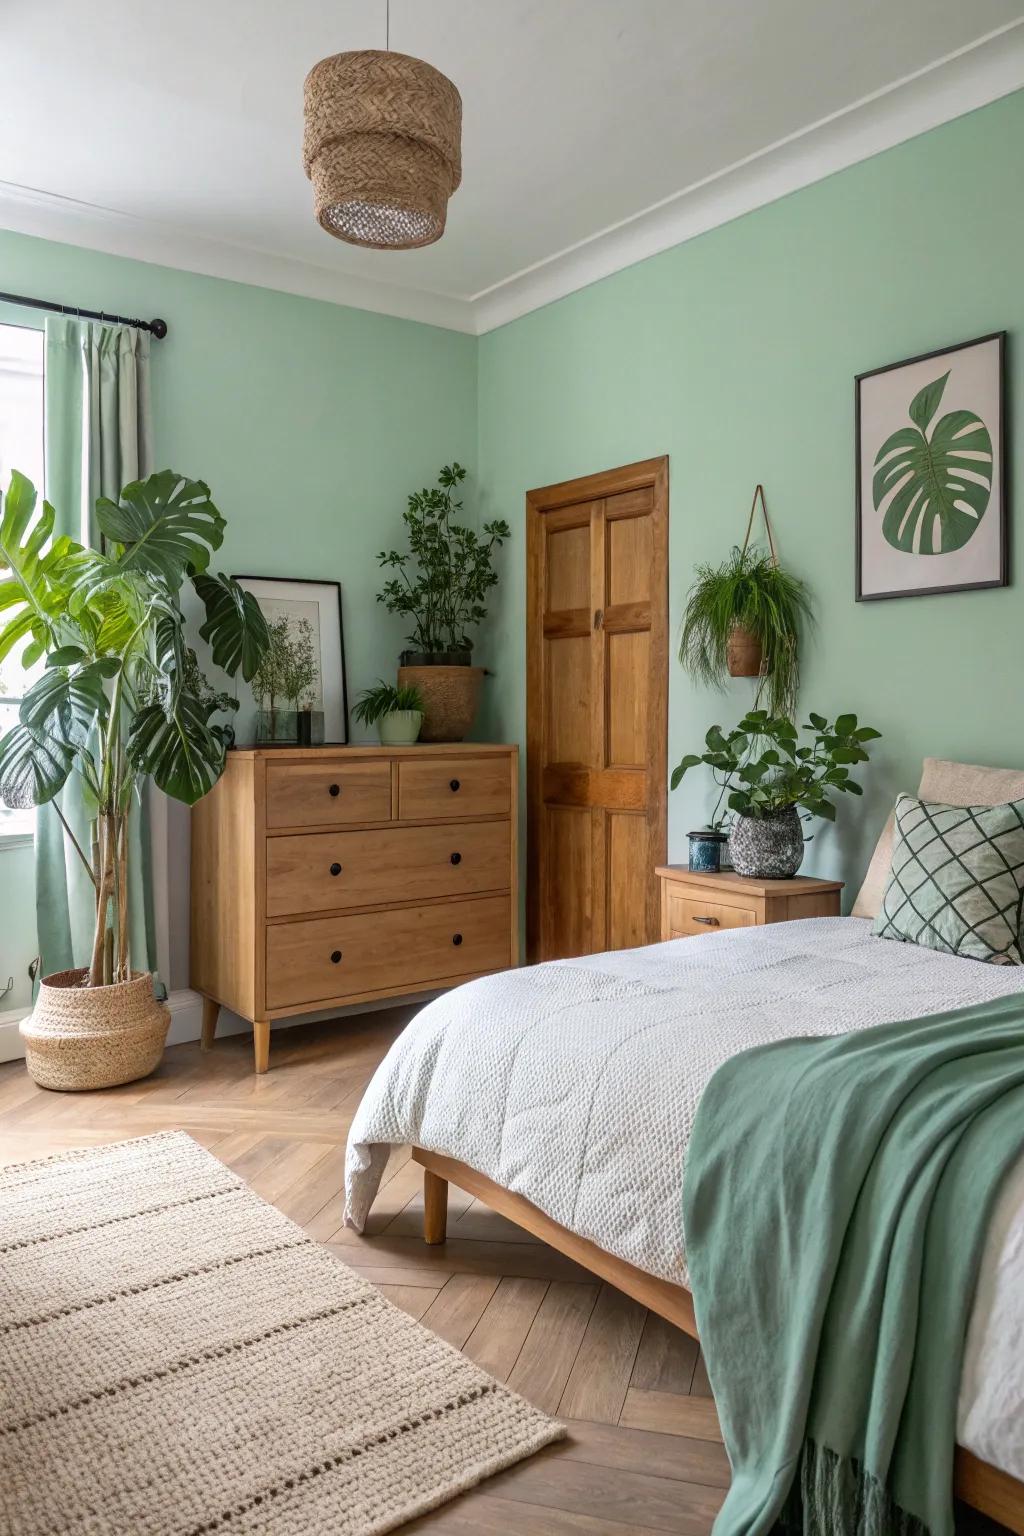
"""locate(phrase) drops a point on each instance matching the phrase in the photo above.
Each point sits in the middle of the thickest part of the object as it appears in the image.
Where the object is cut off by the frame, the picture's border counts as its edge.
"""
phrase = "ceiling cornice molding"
(973, 77)
(981, 73)
(27, 211)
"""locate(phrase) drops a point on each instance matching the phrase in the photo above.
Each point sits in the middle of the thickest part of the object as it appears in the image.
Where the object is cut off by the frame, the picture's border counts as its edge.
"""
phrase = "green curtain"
(98, 439)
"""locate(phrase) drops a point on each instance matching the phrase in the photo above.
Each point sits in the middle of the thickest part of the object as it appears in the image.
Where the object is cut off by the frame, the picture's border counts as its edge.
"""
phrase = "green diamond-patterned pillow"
(957, 879)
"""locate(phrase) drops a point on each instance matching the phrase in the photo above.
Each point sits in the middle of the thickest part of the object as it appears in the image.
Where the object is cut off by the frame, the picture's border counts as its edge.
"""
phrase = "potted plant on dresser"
(396, 712)
(770, 781)
(440, 584)
(121, 700)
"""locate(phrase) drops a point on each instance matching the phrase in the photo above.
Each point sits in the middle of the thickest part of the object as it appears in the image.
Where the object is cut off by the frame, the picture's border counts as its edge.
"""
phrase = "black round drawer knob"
(453, 785)
(335, 956)
(334, 790)
(335, 869)
(456, 858)
(456, 939)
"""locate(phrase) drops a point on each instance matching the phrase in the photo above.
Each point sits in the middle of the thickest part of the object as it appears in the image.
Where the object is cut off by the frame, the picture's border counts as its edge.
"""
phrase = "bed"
(563, 1095)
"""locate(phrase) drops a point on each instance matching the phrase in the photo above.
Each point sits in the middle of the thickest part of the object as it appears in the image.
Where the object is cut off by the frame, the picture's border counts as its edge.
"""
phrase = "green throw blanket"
(836, 1198)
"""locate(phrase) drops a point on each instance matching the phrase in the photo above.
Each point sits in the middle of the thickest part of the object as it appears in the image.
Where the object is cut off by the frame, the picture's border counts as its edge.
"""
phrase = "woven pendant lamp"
(382, 147)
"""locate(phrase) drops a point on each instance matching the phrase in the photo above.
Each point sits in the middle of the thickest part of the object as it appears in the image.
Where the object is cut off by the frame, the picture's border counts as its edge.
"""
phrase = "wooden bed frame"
(984, 1487)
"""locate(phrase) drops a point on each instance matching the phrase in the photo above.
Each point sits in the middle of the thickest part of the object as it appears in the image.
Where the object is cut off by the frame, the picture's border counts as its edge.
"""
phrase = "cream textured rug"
(179, 1359)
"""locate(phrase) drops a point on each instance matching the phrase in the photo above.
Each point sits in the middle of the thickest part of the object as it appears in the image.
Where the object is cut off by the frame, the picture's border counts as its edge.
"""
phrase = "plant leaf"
(235, 627)
(933, 492)
(165, 524)
(33, 590)
(65, 706)
(926, 402)
(32, 769)
(182, 752)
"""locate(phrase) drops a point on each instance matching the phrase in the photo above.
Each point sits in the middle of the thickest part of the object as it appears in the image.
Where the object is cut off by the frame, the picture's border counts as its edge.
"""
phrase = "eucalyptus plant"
(122, 697)
(444, 577)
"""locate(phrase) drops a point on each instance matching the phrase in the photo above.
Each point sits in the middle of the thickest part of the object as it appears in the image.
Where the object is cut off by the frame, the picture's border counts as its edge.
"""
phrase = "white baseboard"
(186, 1009)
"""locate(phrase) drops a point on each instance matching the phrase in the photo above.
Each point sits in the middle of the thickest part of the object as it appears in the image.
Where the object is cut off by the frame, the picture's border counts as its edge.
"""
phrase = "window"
(21, 447)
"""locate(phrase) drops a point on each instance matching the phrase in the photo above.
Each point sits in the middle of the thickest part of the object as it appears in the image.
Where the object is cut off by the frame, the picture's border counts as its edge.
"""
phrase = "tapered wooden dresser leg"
(211, 1009)
(435, 1207)
(261, 1043)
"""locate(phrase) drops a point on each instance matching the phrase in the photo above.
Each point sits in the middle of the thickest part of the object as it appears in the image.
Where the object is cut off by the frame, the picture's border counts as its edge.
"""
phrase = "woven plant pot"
(743, 653)
(81, 1037)
(767, 847)
(451, 697)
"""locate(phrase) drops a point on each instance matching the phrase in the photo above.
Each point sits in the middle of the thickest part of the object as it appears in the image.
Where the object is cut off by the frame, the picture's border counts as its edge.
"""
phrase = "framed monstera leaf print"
(931, 473)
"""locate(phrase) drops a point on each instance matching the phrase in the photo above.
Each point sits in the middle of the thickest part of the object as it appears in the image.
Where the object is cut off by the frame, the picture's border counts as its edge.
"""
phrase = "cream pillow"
(949, 784)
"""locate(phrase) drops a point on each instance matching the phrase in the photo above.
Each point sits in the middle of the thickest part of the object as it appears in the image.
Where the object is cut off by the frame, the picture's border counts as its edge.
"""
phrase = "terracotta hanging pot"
(743, 653)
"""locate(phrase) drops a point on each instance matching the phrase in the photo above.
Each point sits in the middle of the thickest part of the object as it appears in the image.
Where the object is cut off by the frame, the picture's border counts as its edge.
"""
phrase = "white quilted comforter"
(576, 1083)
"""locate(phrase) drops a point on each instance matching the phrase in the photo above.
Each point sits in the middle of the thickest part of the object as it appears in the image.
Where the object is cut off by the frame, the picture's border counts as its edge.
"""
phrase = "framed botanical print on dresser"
(931, 473)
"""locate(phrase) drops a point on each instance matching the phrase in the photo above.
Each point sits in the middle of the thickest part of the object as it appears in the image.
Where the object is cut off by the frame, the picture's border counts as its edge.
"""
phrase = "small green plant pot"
(400, 728)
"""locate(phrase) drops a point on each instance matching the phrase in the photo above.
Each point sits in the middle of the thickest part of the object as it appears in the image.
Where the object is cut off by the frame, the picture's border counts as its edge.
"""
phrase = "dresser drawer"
(688, 915)
(454, 786)
(326, 871)
(311, 794)
(334, 957)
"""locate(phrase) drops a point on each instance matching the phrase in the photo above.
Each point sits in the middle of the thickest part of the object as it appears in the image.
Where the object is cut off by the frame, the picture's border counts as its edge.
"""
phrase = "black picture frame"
(315, 581)
(1002, 459)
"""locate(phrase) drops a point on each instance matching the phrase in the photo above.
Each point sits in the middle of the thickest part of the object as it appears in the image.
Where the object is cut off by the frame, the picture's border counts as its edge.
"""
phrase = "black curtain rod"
(157, 328)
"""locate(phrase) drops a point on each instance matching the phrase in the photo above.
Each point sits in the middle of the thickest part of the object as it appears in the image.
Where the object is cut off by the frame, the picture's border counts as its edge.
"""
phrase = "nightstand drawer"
(688, 915)
(359, 952)
(454, 786)
(326, 793)
(328, 871)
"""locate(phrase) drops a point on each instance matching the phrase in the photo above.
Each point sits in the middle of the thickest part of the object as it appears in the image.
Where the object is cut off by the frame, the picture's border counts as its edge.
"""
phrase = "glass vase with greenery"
(122, 698)
(442, 580)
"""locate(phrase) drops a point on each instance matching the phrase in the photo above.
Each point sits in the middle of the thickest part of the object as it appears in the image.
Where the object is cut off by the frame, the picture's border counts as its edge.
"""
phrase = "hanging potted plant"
(743, 619)
(396, 712)
(441, 583)
(770, 781)
(122, 699)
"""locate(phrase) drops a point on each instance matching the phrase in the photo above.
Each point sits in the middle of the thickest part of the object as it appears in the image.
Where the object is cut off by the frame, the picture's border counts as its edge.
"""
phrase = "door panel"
(597, 656)
(629, 862)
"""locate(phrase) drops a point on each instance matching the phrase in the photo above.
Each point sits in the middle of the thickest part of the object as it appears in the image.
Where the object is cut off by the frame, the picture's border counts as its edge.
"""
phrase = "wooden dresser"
(338, 875)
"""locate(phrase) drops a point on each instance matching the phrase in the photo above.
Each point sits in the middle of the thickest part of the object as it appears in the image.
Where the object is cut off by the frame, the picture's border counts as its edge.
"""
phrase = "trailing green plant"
(748, 591)
(446, 573)
(122, 697)
(385, 699)
(762, 768)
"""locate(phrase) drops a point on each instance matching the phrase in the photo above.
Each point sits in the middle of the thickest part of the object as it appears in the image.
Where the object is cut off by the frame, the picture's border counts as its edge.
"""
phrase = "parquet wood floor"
(644, 1453)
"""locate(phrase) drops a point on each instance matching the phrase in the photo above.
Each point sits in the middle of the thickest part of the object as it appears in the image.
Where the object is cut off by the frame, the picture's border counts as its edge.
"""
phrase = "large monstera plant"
(122, 697)
(938, 486)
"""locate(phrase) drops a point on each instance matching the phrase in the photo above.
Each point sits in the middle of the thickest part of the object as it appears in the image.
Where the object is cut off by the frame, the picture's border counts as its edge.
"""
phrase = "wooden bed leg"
(261, 1043)
(435, 1207)
(211, 1009)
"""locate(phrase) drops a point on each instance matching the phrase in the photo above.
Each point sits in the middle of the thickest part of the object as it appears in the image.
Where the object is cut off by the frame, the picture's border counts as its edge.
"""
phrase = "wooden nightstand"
(695, 903)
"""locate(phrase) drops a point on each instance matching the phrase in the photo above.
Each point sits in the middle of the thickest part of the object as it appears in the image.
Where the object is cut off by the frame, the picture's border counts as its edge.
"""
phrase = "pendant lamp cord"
(387, 26)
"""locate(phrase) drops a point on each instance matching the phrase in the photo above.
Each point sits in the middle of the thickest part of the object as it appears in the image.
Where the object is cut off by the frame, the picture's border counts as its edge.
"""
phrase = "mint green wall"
(310, 422)
(735, 354)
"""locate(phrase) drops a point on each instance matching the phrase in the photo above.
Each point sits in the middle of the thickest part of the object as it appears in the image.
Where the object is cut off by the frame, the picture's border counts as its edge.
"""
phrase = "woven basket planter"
(81, 1037)
(451, 697)
(743, 653)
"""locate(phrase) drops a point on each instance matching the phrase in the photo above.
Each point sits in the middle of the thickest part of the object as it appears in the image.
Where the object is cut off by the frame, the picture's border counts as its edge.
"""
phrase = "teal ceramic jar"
(706, 851)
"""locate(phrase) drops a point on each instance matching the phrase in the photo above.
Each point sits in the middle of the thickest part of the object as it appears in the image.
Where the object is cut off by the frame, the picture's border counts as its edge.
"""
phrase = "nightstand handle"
(711, 922)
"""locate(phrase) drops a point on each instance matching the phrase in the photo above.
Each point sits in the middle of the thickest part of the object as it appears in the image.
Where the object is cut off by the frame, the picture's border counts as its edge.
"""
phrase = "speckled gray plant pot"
(767, 847)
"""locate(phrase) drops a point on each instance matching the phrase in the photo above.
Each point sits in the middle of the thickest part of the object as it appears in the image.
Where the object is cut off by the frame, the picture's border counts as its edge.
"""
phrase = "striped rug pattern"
(179, 1359)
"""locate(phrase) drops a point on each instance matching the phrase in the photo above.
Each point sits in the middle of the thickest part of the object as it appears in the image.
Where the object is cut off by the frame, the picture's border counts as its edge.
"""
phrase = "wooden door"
(597, 682)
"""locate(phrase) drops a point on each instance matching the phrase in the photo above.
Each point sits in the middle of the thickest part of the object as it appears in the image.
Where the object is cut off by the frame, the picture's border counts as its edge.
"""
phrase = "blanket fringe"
(835, 1495)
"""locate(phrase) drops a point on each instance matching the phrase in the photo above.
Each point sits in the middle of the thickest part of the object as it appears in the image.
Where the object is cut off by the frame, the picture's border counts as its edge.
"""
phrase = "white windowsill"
(15, 840)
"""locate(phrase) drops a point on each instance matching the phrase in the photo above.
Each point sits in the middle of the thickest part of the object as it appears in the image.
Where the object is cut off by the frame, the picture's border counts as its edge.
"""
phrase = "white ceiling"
(171, 129)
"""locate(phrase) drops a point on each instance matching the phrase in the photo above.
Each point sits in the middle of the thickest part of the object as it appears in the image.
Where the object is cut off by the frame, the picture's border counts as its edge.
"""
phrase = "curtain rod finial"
(158, 328)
